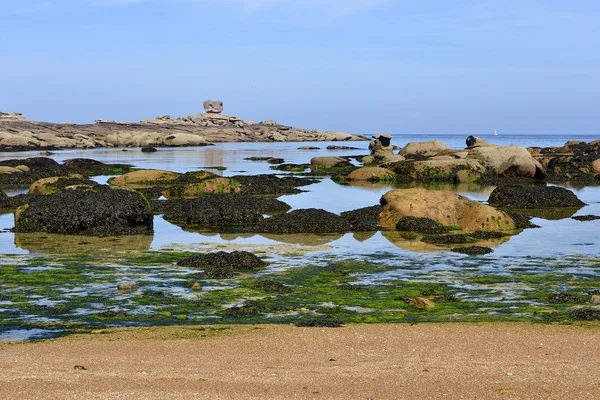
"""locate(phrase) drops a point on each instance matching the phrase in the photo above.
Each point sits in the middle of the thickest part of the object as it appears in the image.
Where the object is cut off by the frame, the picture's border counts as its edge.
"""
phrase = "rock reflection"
(304, 239)
(412, 242)
(54, 243)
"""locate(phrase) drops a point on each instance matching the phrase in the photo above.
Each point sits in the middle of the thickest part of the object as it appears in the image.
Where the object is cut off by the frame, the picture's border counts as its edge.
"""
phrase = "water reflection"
(54, 243)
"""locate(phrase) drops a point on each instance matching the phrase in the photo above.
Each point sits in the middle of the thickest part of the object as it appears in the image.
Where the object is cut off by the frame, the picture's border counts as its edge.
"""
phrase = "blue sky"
(359, 66)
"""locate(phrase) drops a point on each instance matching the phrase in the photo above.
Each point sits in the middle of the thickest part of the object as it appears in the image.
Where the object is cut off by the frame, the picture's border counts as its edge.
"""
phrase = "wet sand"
(437, 361)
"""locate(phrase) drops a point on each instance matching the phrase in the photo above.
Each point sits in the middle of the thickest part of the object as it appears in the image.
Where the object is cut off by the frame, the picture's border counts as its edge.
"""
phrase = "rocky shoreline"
(202, 129)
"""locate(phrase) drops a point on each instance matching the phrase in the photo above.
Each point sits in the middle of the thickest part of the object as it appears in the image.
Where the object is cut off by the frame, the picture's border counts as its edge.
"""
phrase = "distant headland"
(200, 129)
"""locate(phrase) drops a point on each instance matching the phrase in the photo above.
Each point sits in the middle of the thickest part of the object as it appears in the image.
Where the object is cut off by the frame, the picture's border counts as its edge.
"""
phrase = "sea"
(557, 248)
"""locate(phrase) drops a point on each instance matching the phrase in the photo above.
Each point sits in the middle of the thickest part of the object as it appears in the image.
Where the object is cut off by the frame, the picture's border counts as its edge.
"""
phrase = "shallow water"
(564, 250)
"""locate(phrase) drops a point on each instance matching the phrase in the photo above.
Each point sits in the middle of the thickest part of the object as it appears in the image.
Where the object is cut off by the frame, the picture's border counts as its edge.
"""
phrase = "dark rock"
(421, 225)
(149, 150)
(521, 197)
(586, 217)
(222, 211)
(363, 219)
(272, 286)
(486, 235)
(522, 221)
(472, 250)
(236, 260)
(89, 167)
(310, 220)
(270, 184)
(275, 160)
(319, 323)
(291, 167)
(333, 147)
(566, 298)
(445, 239)
(586, 314)
(113, 314)
(98, 211)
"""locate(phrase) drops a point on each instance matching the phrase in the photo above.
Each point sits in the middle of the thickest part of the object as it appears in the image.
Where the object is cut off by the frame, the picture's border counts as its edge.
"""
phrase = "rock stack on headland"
(200, 129)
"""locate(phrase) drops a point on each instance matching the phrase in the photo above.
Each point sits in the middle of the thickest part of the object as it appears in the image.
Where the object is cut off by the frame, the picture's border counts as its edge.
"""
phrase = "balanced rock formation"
(443, 206)
(213, 106)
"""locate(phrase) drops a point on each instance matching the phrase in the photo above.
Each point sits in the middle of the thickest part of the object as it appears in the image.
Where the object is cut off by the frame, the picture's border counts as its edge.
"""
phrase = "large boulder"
(495, 156)
(443, 206)
(440, 169)
(213, 106)
(56, 183)
(144, 177)
(520, 165)
(323, 163)
(371, 174)
(96, 211)
(310, 220)
(429, 148)
(224, 212)
(522, 197)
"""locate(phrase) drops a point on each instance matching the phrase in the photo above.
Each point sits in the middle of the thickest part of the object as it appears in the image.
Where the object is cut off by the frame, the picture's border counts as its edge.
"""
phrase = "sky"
(357, 66)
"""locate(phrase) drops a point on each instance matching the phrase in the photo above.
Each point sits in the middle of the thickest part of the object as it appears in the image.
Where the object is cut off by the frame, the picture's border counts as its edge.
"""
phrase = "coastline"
(20, 135)
(379, 361)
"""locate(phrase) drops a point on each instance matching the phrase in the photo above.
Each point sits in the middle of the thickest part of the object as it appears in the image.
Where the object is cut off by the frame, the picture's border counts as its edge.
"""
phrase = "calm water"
(562, 246)
(550, 240)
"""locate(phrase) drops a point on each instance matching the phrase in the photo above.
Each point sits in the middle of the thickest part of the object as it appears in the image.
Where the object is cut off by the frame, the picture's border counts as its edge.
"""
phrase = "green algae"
(75, 292)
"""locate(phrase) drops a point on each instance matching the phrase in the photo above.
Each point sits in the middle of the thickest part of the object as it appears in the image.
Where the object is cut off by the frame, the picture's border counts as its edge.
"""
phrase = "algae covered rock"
(144, 177)
(371, 174)
(443, 206)
(522, 197)
(309, 220)
(56, 183)
(363, 219)
(222, 211)
(421, 225)
(221, 264)
(206, 186)
(97, 210)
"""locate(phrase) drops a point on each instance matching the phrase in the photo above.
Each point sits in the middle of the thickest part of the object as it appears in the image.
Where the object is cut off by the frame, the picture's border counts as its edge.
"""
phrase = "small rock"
(196, 286)
(127, 285)
(149, 150)
(182, 317)
(595, 300)
(421, 302)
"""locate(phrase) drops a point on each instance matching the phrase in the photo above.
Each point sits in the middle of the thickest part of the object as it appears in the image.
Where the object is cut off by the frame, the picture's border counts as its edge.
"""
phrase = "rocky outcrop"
(429, 148)
(11, 116)
(96, 211)
(443, 206)
(193, 130)
(535, 197)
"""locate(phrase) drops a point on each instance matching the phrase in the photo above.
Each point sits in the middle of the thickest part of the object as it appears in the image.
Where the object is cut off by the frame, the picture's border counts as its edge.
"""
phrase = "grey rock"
(213, 106)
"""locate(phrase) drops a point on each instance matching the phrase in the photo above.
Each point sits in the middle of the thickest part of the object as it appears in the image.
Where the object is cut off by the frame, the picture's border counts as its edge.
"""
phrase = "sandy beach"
(425, 361)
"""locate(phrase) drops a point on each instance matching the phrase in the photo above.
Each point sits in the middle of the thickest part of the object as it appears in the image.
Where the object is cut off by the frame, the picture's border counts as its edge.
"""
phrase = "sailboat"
(495, 132)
